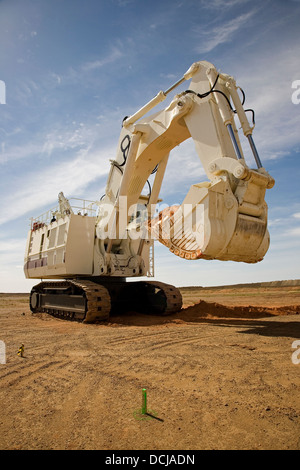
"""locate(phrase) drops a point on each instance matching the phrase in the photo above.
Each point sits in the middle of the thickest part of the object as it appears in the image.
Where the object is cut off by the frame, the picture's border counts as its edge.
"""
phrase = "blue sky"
(74, 68)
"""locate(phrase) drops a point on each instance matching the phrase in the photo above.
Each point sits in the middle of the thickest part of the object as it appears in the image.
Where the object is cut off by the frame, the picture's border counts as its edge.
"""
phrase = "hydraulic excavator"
(92, 249)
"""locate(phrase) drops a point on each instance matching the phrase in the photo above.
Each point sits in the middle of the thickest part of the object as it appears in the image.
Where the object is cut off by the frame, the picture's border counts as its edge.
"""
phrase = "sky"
(70, 70)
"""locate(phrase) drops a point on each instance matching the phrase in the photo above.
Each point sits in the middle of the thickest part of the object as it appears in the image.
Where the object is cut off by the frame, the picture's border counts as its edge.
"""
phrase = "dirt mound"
(200, 312)
(216, 310)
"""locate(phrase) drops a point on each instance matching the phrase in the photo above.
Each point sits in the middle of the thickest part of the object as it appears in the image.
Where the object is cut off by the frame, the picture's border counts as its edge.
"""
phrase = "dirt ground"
(219, 375)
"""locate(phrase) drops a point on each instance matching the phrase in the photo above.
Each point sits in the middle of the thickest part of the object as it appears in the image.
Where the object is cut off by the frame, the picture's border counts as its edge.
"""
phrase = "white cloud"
(10, 153)
(57, 78)
(114, 55)
(221, 4)
(12, 277)
(183, 169)
(71, 176)
(25, 92)
(294, 232)
(75, 136)
(12, 245)
(222, 33)
(277, 222)
(124, 3)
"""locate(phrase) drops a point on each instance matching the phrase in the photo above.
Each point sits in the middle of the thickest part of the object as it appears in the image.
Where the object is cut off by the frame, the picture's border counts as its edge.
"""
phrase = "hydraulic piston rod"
(255, 153)
(161, 96)
(234, 141)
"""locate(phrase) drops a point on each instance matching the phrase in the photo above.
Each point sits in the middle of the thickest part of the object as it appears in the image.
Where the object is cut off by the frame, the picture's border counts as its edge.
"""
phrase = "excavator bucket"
(215, 223)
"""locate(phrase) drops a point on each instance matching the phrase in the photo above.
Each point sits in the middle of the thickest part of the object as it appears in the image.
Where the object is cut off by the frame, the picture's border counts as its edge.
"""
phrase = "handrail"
(79, 206)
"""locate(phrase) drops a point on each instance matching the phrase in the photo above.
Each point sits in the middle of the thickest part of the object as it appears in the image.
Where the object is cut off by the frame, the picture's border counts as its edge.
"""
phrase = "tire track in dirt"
(130, 338)
(26, 374)
(183, 341)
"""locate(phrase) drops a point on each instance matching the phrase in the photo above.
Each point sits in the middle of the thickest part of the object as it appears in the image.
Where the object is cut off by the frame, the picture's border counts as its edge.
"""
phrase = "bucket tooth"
(182, 244)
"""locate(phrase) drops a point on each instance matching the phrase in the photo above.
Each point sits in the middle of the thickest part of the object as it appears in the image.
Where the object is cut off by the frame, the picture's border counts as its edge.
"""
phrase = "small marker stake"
(144, 401)
(144, 413)
(21, 351)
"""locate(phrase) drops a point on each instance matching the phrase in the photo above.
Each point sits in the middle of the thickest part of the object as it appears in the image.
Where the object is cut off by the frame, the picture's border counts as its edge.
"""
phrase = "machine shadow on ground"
(252, 320)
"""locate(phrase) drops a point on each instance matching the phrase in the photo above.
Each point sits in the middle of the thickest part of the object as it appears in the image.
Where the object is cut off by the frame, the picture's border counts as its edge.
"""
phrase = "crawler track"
(71, 300)
(172, 296)
(89, 302)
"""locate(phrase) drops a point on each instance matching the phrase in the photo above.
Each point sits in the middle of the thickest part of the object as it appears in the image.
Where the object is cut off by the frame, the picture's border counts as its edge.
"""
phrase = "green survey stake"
(144, 401)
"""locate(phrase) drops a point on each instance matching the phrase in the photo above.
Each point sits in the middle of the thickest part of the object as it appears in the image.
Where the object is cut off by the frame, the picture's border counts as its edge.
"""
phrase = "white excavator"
(92, 249)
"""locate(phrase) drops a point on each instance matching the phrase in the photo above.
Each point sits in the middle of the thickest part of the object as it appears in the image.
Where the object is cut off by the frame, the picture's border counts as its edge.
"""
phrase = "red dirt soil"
(222, 373)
